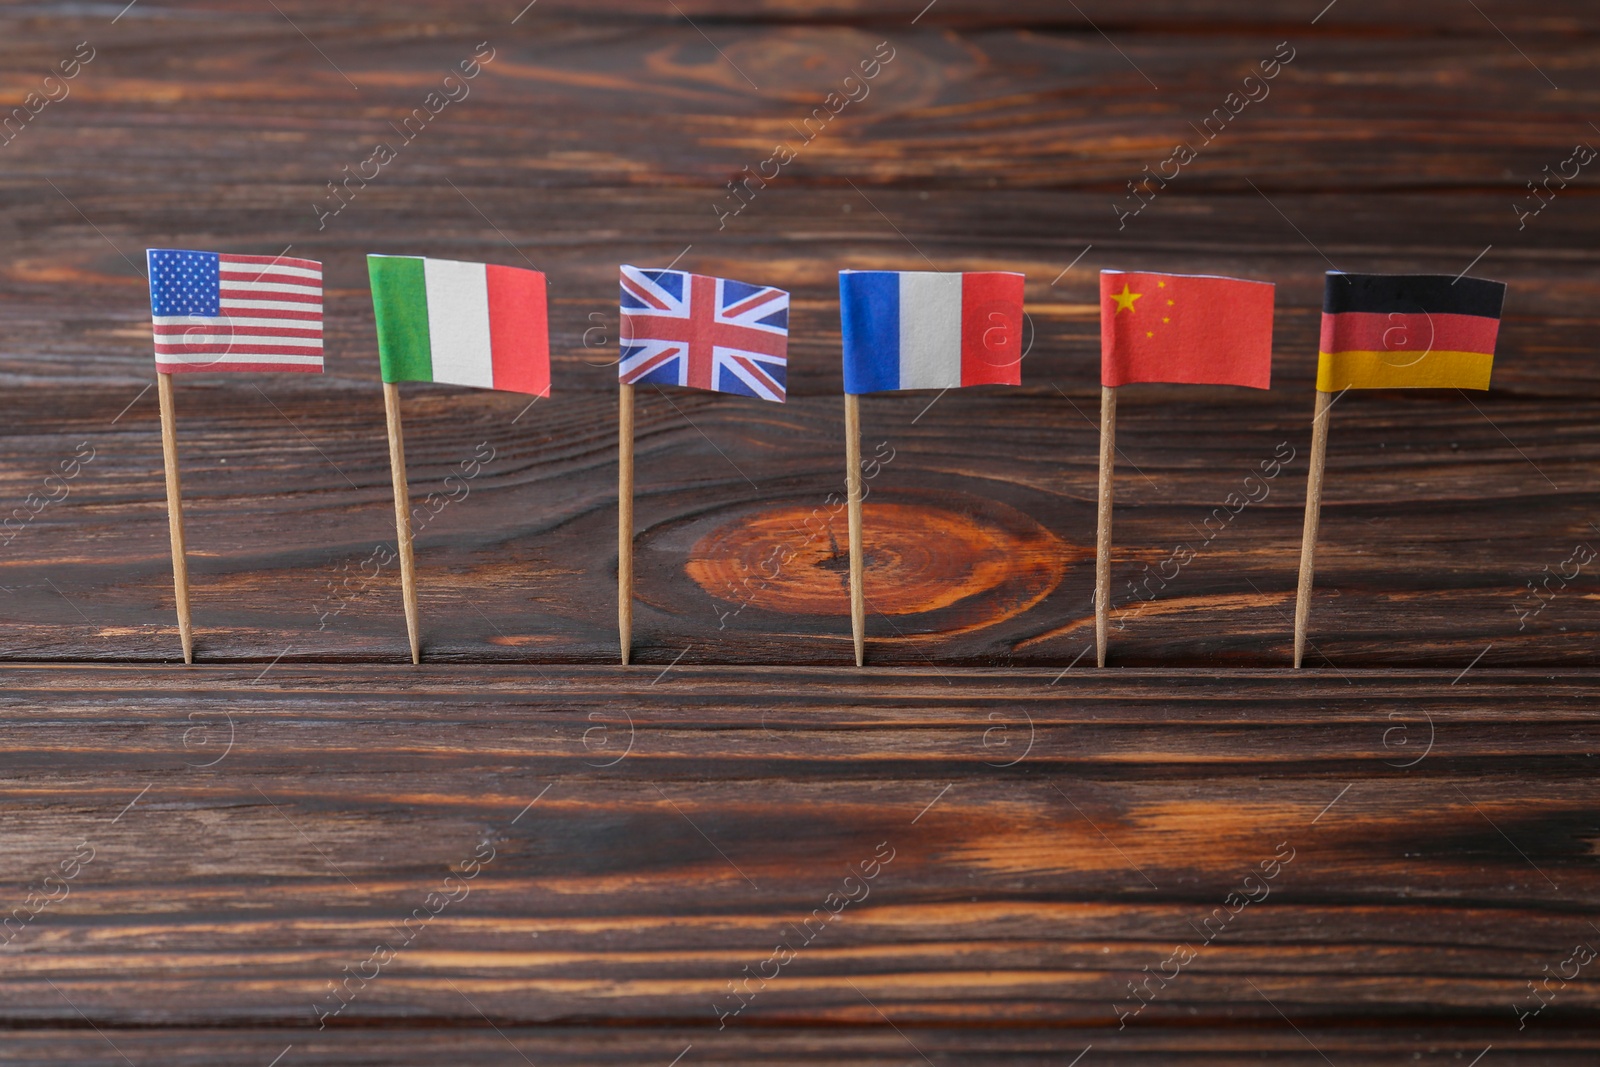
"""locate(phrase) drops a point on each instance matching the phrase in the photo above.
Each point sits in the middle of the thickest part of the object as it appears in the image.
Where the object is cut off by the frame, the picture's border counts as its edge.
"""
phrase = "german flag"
(1408, 331)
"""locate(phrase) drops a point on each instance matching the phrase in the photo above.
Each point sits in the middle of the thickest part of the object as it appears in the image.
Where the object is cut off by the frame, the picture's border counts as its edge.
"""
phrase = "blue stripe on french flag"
(929, 330)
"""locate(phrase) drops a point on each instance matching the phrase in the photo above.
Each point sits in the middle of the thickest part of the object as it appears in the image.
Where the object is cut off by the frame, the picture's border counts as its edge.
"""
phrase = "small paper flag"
(474, 324)
(930, 330)
(1185, 328)
(706, 333)
(1408, 331)
(235, 313)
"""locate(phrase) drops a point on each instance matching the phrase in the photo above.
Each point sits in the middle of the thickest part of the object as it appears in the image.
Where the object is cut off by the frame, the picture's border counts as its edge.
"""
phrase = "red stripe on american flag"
(269, 278)
(235, 350)
(223, 343)
(226, 259)
(186, 368)
(265, 313)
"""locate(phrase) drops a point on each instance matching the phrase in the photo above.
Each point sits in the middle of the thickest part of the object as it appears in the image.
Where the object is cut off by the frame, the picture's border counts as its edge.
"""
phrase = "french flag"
(930, 330)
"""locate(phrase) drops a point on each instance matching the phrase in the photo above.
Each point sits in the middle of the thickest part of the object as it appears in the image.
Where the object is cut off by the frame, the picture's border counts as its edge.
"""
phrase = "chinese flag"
(1189, 328)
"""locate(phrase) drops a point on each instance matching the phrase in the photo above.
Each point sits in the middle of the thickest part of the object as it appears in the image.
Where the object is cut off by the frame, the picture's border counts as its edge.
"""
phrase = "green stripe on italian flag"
(475, 324)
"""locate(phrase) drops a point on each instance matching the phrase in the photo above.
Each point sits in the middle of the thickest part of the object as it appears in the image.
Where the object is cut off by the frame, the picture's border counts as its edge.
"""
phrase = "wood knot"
(960, 561)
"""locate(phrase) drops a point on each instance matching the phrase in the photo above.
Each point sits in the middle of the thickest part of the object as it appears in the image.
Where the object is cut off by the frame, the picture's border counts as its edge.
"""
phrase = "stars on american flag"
(184, 283)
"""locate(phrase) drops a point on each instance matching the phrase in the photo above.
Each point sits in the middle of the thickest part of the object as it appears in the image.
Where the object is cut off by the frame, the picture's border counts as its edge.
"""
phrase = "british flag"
(707, 333)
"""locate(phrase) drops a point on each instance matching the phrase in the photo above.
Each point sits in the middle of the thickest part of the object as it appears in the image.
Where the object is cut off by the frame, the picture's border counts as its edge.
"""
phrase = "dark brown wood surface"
(260, 822)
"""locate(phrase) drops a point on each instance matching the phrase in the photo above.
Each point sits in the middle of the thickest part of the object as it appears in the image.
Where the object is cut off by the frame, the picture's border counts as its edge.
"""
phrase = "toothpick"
(402, 514)
(852, 480)
(1308, 540)
(1102, 550)
(625, 521)
(180, 561)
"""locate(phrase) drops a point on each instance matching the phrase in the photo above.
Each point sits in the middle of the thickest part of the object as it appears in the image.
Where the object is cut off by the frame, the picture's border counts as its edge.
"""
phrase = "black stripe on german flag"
(1412, 294)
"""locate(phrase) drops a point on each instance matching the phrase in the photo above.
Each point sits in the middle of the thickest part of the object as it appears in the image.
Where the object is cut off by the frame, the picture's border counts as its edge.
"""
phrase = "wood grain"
(653, 832)
(261, 821)
(1436, 517)
(512, 1045)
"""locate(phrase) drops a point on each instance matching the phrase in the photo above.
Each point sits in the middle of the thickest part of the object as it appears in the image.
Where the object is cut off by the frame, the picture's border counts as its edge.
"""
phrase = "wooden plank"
(560, 107)
(877, 1045)
(654, 832)
(1436, 520)
(1200, 17)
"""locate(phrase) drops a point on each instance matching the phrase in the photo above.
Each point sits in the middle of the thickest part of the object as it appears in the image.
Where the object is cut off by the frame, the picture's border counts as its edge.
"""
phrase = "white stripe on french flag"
(930, 330)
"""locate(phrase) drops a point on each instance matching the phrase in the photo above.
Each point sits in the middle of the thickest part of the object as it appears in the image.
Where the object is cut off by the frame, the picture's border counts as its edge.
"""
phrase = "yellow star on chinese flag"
(1125, 298)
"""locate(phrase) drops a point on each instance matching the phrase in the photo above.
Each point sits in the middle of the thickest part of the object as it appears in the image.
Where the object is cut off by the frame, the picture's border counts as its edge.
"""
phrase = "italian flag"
(475, 324)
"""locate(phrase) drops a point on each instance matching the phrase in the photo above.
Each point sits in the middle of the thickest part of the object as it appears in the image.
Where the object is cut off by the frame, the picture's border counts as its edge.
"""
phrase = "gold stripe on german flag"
(1408, 331)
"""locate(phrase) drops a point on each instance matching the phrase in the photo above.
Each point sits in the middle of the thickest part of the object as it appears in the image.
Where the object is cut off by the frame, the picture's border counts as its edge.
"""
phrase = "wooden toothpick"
(402, 514)
(1102, 548)
(625, 521)
(1308, 540)
(852, 481)
(180, 561)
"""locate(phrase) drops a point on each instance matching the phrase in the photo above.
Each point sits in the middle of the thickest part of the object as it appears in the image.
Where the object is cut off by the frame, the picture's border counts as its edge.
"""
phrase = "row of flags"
(487, 326)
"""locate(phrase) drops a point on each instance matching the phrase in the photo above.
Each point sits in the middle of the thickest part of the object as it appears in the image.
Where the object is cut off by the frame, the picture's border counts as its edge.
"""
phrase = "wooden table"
(302, 850)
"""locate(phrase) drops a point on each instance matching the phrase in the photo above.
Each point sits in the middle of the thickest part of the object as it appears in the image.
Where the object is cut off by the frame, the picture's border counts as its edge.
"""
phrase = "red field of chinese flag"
(1186, 328)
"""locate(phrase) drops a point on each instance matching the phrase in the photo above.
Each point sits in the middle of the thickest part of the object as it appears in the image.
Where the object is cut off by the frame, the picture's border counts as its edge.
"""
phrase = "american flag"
(703, 332)
(241, 313)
